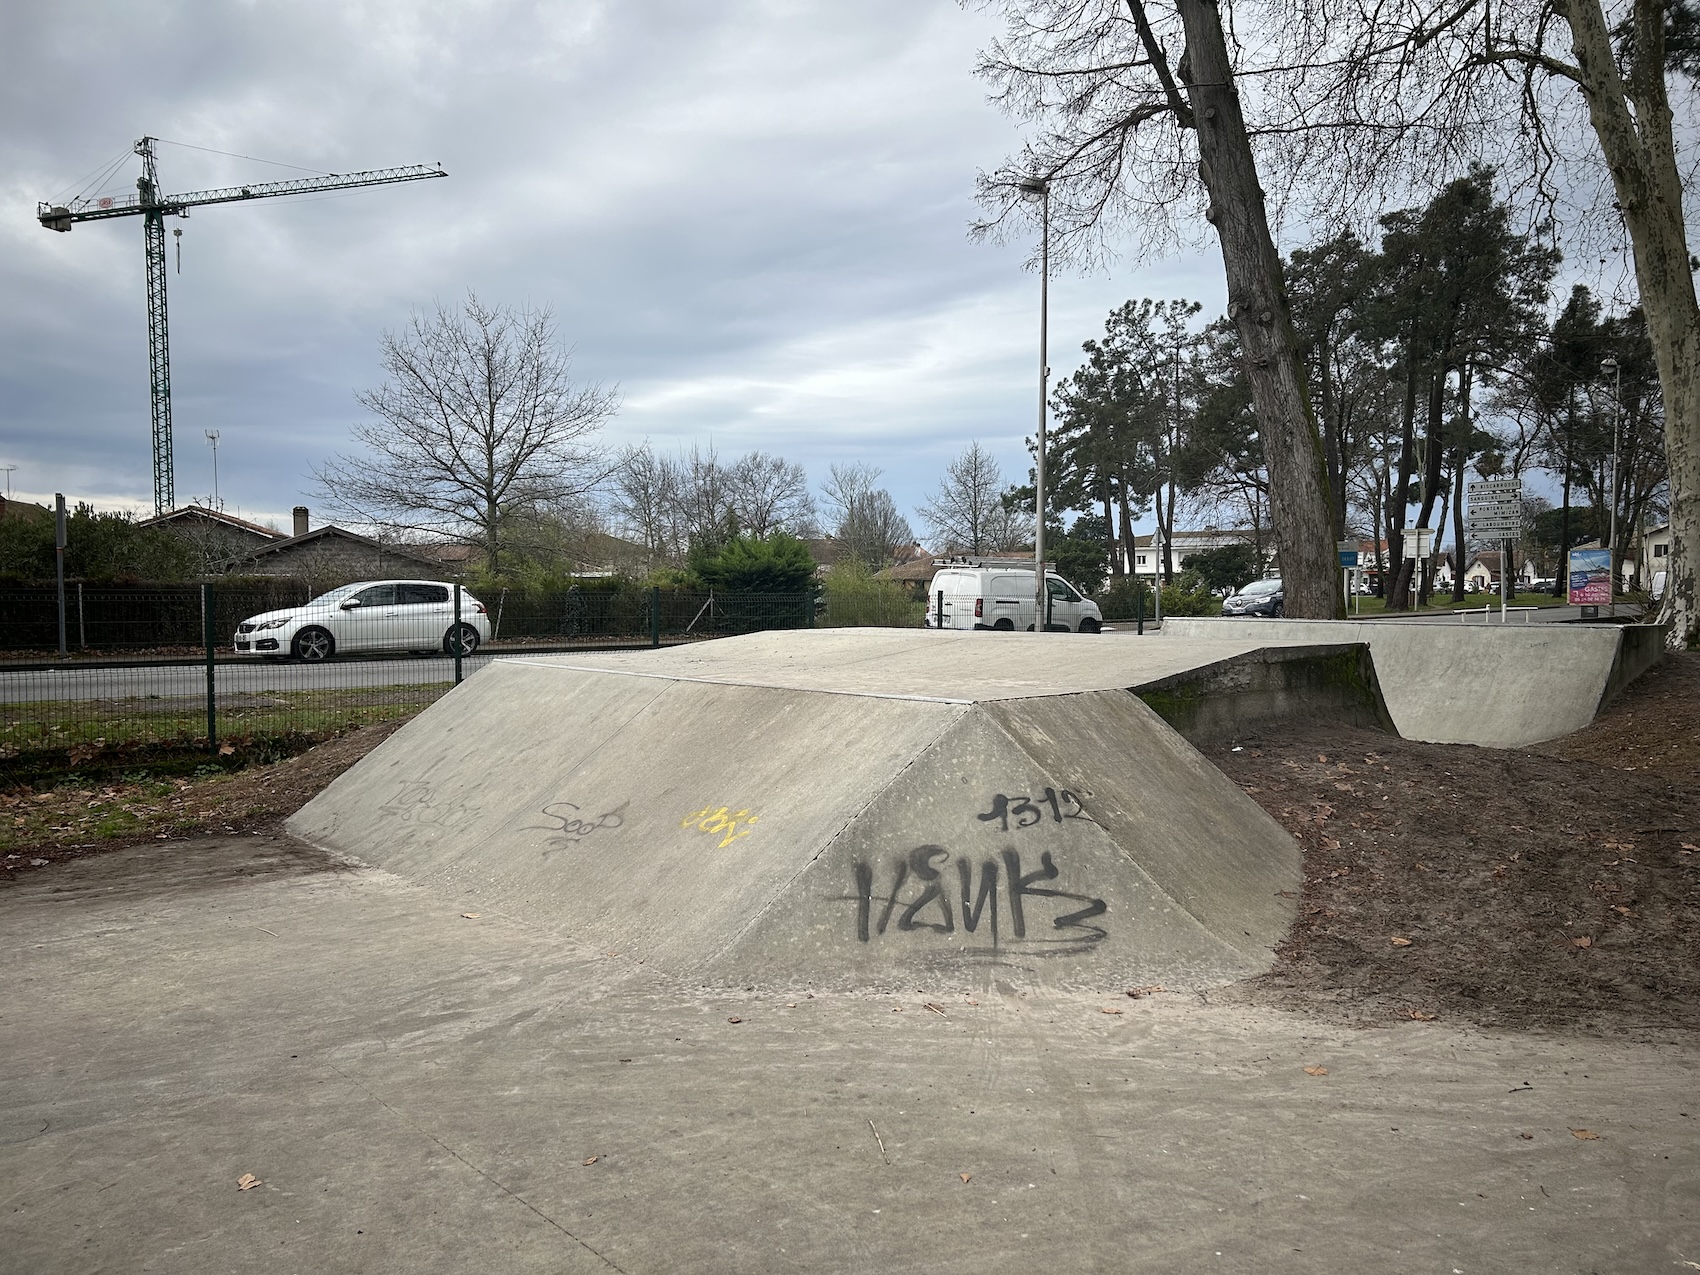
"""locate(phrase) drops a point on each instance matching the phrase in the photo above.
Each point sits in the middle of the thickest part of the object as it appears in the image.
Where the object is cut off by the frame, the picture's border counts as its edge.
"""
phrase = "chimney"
(301, 520)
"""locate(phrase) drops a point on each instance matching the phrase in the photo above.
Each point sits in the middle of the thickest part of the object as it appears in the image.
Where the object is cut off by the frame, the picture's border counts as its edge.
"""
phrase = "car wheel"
(313, 645)
(1278, 610)
(1005, 625)
(468, 640)
(1089, 625)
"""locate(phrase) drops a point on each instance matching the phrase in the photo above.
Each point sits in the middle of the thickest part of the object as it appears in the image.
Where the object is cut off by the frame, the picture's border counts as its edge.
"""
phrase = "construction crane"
(153, 208)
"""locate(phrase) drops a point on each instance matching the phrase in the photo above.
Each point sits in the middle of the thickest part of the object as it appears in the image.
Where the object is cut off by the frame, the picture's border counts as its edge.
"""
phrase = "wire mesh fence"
(168, 675)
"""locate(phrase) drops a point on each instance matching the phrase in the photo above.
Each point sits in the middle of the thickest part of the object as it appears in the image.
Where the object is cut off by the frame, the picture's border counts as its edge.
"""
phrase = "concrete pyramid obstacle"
(1032, 821)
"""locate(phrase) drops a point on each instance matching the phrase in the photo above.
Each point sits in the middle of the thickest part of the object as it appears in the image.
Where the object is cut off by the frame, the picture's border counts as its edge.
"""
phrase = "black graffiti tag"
(416, 803)
(1027, 811)
(570, 826)
(931, 908)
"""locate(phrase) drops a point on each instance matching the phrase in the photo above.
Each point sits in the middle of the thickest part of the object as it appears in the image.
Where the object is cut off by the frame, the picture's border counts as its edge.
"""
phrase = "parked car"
(371, 615)
(983, 593)
(1260, 597)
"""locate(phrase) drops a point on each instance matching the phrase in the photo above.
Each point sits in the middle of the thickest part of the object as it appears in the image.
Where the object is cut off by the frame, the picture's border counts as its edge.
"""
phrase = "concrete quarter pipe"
(1031, 821)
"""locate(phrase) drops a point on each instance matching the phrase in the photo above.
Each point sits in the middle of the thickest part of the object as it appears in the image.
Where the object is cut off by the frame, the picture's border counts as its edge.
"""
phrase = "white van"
(991, 593)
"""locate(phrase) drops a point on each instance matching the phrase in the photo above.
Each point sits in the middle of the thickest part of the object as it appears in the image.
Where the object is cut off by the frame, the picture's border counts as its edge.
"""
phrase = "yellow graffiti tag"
(721, 819)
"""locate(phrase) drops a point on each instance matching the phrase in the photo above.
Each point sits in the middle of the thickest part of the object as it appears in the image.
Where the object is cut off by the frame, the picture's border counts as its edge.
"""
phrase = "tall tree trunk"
(1118, 567)
(1633, 124)
(1399, 598)
(1459, 551)
(1257, 304)
(1168, 540)
(1128, 538)
(1432, 445)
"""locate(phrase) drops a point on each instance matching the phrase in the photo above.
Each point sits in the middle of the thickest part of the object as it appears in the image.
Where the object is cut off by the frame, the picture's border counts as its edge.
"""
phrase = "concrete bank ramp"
(1504, 686)
(1055, 831)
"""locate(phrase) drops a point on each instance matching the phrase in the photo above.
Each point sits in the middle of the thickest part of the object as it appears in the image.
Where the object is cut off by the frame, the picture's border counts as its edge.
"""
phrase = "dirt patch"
(1557, 887)
(75, 819)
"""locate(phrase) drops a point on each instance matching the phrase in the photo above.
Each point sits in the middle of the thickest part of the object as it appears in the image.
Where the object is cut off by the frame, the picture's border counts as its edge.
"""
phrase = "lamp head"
(1034, 186)
(1608, 365)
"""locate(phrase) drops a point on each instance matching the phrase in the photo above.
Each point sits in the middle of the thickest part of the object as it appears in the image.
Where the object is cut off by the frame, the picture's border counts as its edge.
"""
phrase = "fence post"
(82, 633)
(455, 643)
(655, 615)
(940, 622)
(1139, 605)
(207, 624)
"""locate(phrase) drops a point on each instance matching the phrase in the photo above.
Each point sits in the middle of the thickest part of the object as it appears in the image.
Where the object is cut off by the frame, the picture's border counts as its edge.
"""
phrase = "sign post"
(1348, 551)
(1496, 508)
(1589, 574)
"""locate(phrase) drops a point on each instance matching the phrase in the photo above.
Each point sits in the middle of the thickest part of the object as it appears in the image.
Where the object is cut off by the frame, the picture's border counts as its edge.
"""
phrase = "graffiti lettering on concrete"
(723, 822)
(1026, 811)
(416, 803)
(919, 899)
(569, 825)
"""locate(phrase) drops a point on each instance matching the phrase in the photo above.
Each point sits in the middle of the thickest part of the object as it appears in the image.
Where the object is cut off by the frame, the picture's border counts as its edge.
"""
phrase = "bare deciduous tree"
(769, 493)
(1123, 134)
(967, 513)
(479, 425)
(865, 518)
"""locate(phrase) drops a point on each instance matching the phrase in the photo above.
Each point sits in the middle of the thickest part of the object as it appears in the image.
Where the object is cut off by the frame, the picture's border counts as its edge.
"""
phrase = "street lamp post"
(1040, 187)
(1612, 368)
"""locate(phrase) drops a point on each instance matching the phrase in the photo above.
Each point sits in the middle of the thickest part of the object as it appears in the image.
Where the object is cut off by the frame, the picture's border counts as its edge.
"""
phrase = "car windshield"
(1257, 587)
(335, 595)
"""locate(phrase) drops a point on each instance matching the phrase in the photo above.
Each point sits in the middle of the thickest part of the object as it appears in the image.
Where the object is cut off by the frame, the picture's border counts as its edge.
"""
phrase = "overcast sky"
(750, 216)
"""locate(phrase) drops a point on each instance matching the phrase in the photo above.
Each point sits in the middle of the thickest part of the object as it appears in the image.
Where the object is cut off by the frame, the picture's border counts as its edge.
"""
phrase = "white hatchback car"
(371, 615)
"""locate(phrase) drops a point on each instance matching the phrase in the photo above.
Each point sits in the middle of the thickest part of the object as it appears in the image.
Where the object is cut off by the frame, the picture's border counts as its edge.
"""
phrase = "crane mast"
(154, 208)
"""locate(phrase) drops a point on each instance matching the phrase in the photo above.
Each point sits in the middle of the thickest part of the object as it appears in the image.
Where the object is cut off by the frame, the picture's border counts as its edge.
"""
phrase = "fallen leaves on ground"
(1316, 1071)
(472, 916)
(1420, 1015)
(1587, 1135)
(1108, 1010)
(590, 1159)
(1150, 989)
(966, 1177)
(734, 1020)
(937, 1009)
(247, 1182)
(1399, 942)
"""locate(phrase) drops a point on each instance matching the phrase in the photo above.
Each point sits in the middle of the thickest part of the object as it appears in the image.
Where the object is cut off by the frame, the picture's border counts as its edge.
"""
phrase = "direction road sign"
(1513, 485)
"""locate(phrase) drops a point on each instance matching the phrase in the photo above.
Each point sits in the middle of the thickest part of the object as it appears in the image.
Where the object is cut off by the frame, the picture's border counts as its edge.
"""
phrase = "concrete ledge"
(1642, 646)
(1500, 686)
(1276, 685)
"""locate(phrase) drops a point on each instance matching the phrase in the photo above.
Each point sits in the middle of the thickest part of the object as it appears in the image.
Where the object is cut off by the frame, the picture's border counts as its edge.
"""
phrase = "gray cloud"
(748, 215)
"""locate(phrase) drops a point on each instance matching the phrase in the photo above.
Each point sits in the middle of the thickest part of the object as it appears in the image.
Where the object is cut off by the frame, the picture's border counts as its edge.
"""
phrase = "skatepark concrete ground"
(418, 1077)
(424, 1091)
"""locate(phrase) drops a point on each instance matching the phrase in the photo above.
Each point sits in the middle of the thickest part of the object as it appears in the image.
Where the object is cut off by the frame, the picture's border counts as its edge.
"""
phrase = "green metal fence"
(153, 675)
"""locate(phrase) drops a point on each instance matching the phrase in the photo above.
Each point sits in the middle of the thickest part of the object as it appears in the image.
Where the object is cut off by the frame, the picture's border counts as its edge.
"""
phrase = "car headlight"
(271, 624)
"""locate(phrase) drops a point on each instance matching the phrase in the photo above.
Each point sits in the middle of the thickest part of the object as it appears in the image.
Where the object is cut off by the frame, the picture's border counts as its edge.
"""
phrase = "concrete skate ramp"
(782, 834)
(1503, 686)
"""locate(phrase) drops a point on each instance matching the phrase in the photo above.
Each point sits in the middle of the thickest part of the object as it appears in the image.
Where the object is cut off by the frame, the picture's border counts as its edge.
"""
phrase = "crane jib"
(63, 216)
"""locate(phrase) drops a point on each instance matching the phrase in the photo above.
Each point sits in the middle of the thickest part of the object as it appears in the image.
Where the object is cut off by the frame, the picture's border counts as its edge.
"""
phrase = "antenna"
(8, 469)
(212, 440)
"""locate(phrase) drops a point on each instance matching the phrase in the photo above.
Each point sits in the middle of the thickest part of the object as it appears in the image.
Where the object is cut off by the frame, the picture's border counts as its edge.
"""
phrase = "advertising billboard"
(1590, 577)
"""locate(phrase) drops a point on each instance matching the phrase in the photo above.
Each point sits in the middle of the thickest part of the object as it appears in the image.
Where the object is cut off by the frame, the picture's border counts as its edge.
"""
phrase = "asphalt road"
(168, 681)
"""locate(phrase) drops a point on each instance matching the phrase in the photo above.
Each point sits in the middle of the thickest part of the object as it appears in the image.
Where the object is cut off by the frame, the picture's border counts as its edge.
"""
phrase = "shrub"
(779, 563)
(855, 597)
